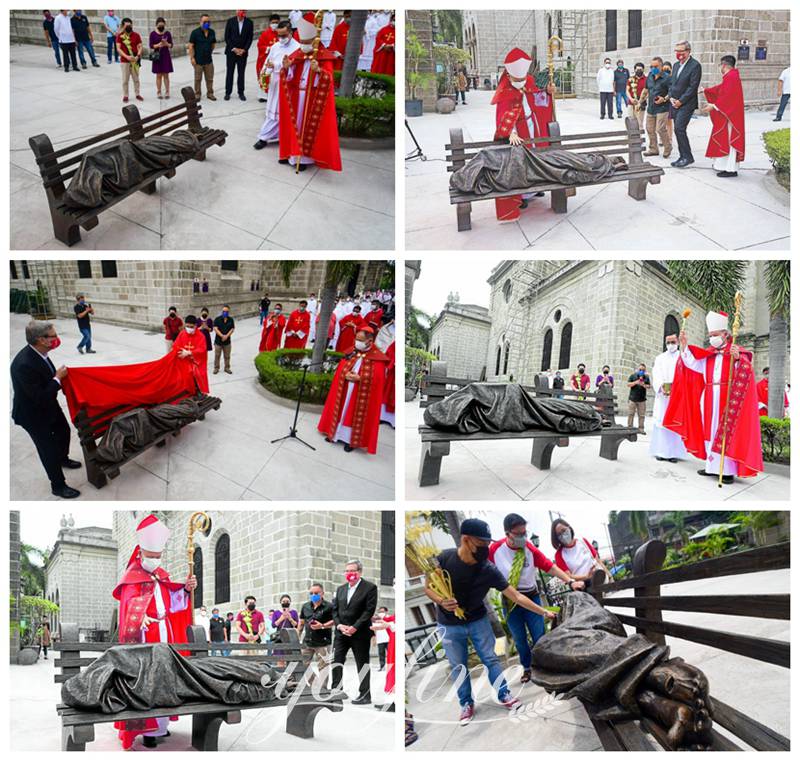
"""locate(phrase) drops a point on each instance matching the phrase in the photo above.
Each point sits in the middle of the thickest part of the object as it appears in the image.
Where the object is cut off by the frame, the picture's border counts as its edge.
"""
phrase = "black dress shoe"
(242, 96)
(259, 144)
(302, 167)
(725, 479)
(149, 742)
(361, 700)
(727, 174)
(91, 351)
(283, 161)
(540, 194)
(72, 464)
(681, 163)
(523, 204)
(348, 448)
(227, 97)
(262, 100)
(66, 492)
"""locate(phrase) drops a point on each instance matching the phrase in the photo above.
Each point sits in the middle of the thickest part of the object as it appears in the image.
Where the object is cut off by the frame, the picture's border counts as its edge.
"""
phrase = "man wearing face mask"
(238, 39)
(272, 332)
(316, 619)
(202, 42)
(172, 327)
(338, 44)
(726, 109)
(636, 94)
(266, 40)
(684, 83)
(82, 314)
(638, 383)
(657, 121)
(605, 86)
(666, 444)
(249, 624)
(352, 411)
(152, 608)
(700, 409)
(517, 559)
(297, 328)
(383, 58)
(354, 606)
(223, 330)
(36, 384)
(190, 346)
(621, 77)
(580, 380)
(349, 324)
(472, 576)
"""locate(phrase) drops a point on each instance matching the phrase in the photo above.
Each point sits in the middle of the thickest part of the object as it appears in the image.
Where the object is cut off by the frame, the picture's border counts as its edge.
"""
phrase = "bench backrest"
(629, 141)
(58, 166)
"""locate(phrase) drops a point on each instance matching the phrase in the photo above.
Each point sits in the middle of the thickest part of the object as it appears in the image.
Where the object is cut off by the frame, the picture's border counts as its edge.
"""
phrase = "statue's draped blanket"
(509, 408)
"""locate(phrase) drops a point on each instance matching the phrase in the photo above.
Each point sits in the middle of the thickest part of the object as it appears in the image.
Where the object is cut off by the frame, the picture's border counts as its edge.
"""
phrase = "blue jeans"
(261, 317)
(455, 640)
(621, 98)
(781, 108)
(111, 43)
(86, 341)
(520, 622)
(57, 51)
(81, 44)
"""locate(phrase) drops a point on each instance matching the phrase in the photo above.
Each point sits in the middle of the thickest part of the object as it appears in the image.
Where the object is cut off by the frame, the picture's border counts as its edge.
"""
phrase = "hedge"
(366, 117)
(279, 372)
(775, 439)
(777, 144)
(371, 82)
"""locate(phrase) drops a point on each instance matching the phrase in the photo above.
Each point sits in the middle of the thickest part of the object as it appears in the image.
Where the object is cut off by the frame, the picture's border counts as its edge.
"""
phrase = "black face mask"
(285, 604)
(481, 554)
(251, 606)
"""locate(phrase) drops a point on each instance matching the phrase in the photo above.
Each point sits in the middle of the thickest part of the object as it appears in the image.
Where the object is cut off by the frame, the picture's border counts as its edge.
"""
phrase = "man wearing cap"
(523, 112)
(702, 411)
(352, 412)
(517, 559)
(665, 444)
(152, 608)
(472, 576)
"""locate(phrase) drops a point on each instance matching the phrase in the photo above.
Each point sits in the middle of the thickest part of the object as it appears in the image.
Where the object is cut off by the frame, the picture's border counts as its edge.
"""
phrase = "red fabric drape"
(339, 43)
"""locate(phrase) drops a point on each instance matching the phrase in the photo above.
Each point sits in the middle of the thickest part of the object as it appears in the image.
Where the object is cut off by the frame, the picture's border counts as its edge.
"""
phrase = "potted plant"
(448, 60)
(416, 54)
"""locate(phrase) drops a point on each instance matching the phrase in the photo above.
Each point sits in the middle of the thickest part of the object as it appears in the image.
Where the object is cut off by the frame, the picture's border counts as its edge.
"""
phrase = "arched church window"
(557, 316)
(497, 362)
(505, 361)
(547, 350)
(507, 289)
(222, 569)
(566, 346)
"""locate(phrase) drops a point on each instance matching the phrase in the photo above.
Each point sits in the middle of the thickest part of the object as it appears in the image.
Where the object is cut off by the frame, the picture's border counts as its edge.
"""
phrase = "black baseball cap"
(512, 520)
(477, 528)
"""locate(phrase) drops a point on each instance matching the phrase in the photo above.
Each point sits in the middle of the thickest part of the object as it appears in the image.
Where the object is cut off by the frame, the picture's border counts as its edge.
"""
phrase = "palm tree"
(449, 26)
(637, 520)
(778, 287)
(673, 526)
(32, 578)
(418, 328)
(352, 52)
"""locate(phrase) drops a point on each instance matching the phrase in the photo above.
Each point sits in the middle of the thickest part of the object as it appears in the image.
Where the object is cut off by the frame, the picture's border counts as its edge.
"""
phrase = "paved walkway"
(691, 208)
(356, 728)
(228, 456)
(501, 470)
(563, 725)
(238, 199)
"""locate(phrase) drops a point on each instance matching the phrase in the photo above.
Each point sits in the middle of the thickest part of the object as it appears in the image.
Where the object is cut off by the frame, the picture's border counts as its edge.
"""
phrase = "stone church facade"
(460, 337)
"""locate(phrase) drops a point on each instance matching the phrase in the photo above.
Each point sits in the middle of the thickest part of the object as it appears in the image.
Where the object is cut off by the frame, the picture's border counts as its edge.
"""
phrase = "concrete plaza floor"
(690, 209)
(759, 689)
(357, 728)
(501, 470)
(237, 199)
(227, 456)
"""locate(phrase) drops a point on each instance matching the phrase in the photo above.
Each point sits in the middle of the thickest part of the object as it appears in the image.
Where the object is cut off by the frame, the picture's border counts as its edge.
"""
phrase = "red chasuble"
(762, 391)
(272, 332)
(136, 594)
(319, 139)
(727, 119)
(363, 411)
(690, 410)
(265, 41)
(348, 326)
(374, 317)
(339, 43)
(383, 59)
(198, 362)
(511, 114)
(297, 321)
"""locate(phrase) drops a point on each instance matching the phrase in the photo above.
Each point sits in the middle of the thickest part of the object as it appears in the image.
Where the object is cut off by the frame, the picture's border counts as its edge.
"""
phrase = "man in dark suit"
(238, 39)
(353, 608)
(36, 384)
(684, 82)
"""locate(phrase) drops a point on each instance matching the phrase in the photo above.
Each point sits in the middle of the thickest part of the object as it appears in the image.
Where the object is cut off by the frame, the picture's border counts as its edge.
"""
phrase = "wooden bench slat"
(432, 434)
(754, 606)
(745, 727)
(577, 136)
(620, 146)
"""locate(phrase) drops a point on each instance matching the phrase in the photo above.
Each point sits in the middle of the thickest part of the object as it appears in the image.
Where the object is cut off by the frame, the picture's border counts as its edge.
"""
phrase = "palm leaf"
(711, 282)
(778, 277)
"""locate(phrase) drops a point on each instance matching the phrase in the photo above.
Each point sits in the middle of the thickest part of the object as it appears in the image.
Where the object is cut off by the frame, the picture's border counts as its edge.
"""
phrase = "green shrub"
(775, 439)
(777, 144)
(366, 117)
(280, 372)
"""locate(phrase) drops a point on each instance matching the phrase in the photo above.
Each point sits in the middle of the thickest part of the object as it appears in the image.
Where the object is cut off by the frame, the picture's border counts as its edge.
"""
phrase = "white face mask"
(518, 85)
(306, 48)
(284, 41)
(361, 345)
(608, 65)
(189, 330)
(150, 564)
(717, 341)
(672, 348)
(273, 26)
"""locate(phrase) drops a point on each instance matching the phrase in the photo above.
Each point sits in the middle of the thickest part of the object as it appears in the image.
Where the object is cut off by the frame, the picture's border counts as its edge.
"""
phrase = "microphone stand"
(417, 152)
(293, 428)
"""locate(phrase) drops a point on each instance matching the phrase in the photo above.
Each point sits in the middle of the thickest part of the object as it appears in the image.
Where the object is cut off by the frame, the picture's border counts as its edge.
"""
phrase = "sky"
(441, 274)
(40, 526)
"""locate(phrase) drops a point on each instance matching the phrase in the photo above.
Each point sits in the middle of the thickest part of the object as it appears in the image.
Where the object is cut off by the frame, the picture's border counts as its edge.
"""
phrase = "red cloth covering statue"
(307, 112)
(352, 410)
(339, 42)
(190, 347)
(727, 117)
(348, 325)
(298, 327)
(272, 332)
(152, 608)
(697, 404)
(523, 112)
(266, 40)
(383, 57)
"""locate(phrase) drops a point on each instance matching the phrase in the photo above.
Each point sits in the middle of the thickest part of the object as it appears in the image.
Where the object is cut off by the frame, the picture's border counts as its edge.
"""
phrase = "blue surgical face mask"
(315, 598)
(654, 70)
(224, 312)
(206, 25)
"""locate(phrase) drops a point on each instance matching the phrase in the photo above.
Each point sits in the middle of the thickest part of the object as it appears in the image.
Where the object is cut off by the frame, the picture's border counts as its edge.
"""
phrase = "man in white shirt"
(328, 25)
(665, 444)
(784, 92)
(286, 45)
(605, 86)
(66, 40)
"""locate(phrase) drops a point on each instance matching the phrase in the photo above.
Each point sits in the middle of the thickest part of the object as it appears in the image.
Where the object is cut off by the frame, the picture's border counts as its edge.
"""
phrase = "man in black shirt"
(83, 37)
(82, 312)
(217, 631)
(263, 308)
(316, 617)
(638, 383)
(50, 36)
(202, 42)
(238, 39)
(472, 576)
(223, 329)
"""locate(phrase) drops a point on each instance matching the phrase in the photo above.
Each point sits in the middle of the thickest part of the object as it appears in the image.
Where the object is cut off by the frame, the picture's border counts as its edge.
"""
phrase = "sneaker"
(80, 350)
(467, 712)
(95, 64)
(512, 704)
(216, 370)
(211, 97)
(91, 351)
(230, 372)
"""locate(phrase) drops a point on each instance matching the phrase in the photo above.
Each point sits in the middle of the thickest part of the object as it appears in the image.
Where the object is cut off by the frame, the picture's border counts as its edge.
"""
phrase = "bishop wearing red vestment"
(383, 57)
(272, 332)
(190, 346)
(338, 44)
(152, 608)
(352, 412)
(726, 109)
(523, 112)
(348, 325)
(701, 407)
(307, 113)
(298, 327)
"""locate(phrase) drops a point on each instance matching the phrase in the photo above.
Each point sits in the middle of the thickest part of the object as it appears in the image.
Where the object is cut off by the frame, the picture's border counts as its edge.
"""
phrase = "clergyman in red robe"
(385, 342)
(348, 325)
(352, 412)
(266, 40)
(701, 410)
(726, 109)
(523, 112)
(383, 57)
(272, 332)
(298, 327)
(762, 391)
(190, 346)
(307, 128)
(338, 44)
(152, 608)
(375, 315)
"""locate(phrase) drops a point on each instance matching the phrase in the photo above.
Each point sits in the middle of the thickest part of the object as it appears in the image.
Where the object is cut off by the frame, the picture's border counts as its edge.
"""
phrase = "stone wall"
(460, 337)
(14, 582)
(421, 22)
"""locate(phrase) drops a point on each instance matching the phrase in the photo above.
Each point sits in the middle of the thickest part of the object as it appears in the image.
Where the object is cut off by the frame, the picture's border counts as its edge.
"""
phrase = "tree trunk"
(348, 81)
(777, 365)
(327, 297)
